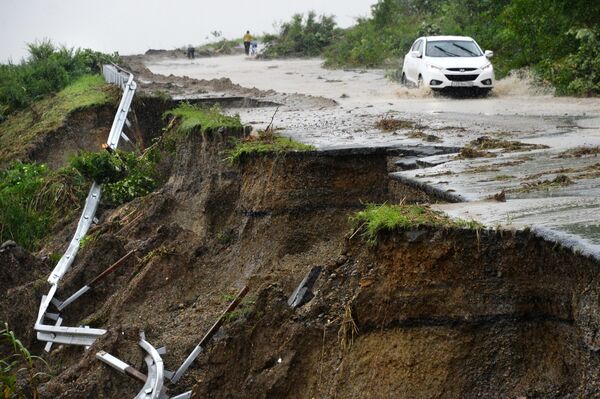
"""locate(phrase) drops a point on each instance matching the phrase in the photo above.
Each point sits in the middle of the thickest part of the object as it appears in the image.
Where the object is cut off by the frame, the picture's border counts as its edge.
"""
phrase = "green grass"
(265, 145)
(20, 372)
(33, 198)
(21, 129)
(375, 218)
(193, 118)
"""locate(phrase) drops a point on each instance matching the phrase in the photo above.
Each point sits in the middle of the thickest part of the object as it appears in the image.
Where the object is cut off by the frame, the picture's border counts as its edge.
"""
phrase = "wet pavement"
(548, 190)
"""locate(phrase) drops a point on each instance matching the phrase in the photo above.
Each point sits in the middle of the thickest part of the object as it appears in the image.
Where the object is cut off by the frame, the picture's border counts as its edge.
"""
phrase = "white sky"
(133, 26)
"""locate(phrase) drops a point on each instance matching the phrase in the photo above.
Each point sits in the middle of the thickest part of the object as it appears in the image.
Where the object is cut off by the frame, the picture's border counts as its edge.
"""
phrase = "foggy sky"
(130, 26)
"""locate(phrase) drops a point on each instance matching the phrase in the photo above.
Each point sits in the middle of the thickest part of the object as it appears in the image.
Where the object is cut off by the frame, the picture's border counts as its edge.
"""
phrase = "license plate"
(461, 84)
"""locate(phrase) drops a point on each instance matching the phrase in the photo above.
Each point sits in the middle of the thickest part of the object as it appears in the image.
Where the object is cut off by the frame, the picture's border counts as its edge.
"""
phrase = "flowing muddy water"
(515, 110)
(514, 107)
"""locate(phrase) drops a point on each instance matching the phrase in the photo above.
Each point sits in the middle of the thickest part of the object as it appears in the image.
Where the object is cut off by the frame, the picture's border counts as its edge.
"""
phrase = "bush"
(33, 198)
(558, 39)
(577, 73)
(124, 175)
(48, 69)
(302, 37)
(22, 129)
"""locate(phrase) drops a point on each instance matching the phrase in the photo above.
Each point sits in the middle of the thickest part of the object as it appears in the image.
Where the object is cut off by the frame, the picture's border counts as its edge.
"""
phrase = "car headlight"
(434, 67)
(486, 67)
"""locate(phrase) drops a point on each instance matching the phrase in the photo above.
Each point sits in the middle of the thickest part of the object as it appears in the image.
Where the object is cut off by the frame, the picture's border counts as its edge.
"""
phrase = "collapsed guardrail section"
(55, 332)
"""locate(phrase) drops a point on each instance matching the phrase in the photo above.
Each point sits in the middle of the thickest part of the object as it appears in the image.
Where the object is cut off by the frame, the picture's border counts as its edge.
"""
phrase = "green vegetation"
(558, 39)
(19, 366)
(33, 198)
(266, 143)
(192, 117)
(375, 218)
(302, 36)
(19, 131)
(47, 70)
(123, 175)
(220, 45)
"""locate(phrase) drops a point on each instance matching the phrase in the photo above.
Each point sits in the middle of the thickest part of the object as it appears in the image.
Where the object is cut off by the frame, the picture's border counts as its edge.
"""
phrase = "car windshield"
(452, 48)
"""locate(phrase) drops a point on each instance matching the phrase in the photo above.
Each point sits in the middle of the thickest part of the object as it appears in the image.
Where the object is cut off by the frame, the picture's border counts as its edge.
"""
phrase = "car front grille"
(461, 69)
(461, 78)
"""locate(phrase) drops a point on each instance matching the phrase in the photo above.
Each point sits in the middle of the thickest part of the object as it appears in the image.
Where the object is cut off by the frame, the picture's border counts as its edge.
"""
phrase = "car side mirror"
(415, 54)
(489, 54)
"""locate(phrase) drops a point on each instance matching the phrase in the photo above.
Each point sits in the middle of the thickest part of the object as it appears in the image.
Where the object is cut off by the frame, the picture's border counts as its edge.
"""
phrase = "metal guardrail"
(83, 335)
(154, 382)
(116, 75)
(153, 388)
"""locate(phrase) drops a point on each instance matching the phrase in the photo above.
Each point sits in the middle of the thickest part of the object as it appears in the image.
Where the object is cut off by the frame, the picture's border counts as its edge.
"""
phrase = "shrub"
(124, 175)
(557, 39)
(577, 73)
(33, 198)
(47, 70)
(23, 128)
(302, 36)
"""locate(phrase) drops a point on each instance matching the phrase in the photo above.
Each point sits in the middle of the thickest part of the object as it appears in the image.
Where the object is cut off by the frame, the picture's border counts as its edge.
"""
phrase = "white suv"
(441, 62)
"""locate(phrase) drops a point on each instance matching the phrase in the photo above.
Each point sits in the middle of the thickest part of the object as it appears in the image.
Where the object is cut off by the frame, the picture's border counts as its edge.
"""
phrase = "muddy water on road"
(514, 107)
(511, 96)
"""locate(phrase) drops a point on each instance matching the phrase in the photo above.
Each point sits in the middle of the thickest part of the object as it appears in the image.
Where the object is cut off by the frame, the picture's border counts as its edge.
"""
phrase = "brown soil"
(417, 134)
(579, 152)
(437, 313)
(391, 124)
(470, 152)
(488, 143)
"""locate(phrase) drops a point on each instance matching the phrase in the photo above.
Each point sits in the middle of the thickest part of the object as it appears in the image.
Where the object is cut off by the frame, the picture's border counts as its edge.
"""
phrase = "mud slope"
(438, 314)
(211, 229)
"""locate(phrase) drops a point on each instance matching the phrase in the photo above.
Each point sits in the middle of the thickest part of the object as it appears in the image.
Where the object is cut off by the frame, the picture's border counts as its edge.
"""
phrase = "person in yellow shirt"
(247, 40)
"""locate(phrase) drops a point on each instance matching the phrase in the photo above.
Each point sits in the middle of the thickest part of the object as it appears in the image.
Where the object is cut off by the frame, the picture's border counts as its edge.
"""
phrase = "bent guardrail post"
(153, 388)
(207, 337)
(92, 284)
(121, 116)
(120, 366)
(85, 221)
(78, 335)
(185, 395)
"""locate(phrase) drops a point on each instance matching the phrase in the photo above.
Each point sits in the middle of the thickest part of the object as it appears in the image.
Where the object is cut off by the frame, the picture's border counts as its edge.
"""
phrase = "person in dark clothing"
(190, 51)
(247, 41)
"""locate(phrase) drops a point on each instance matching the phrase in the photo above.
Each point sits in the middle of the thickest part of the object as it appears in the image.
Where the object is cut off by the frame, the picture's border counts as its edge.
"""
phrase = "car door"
(412, 64)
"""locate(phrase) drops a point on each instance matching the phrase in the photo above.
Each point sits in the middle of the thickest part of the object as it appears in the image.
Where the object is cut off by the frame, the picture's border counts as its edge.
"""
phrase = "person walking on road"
(247, 41)
(190, 51)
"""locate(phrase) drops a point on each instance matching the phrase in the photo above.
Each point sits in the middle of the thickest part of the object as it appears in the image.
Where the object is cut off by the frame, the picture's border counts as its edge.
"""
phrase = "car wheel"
(420, 82)
(403, 81)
